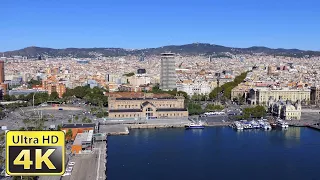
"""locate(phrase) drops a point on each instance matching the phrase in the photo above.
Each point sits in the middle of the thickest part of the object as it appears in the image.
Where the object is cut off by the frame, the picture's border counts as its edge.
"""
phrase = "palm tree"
(69, 134)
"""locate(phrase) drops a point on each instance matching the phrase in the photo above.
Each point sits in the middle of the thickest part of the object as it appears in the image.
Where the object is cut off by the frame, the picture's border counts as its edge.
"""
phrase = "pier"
(89, 165)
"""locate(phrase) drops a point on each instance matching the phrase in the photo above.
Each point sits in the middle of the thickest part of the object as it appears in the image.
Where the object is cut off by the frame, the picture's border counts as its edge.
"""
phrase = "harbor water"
(214, 153)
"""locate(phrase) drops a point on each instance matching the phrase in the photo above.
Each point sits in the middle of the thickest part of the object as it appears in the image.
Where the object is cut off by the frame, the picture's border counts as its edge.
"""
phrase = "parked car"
(66, 174)
(69, 169)
(71, 163)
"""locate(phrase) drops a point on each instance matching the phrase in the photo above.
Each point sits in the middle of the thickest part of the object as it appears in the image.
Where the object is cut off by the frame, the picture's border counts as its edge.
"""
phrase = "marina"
(259, 124)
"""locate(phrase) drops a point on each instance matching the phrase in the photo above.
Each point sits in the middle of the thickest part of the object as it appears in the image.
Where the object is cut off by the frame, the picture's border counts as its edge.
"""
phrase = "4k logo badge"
(35, 153)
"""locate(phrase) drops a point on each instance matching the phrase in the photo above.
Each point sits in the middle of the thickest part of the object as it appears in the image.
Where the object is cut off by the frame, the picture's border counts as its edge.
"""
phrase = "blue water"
(214, 153)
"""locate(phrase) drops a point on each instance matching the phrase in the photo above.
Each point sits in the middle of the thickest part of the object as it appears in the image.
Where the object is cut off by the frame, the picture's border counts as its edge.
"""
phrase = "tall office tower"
(1, 71)
(168, 72)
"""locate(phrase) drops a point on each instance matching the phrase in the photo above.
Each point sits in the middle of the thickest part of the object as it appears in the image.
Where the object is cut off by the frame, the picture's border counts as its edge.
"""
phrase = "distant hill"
(187, 49)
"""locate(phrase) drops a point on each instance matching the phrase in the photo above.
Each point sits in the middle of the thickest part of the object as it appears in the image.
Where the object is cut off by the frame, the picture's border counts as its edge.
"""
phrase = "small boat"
(266, 126)
(237, 125)
(254, 124)
(282, 124)
(246, 124)
(194, 125)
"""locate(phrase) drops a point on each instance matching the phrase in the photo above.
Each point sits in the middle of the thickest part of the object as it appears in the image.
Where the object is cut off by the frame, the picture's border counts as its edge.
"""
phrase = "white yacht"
(238, 125)
(246, 124)
(282, 124)
(266, 126)
(195, 125)
(254, 124)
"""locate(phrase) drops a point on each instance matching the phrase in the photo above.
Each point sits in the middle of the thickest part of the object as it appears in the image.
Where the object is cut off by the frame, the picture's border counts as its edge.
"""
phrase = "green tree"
(129, 74)
(33, 82)
(69, 121)
(69, 134)
(194, 109)
(227, 87)
(54, 96)
(211, 107)
(184, 94)
(257, 112)
(2, 136)
(59, 127)
(21, 97)
(13, 98)
(7, 97)
(81, 91)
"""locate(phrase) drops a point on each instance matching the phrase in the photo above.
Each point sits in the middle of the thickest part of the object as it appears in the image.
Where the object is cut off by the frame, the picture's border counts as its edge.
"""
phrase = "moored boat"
(282, 124)
(238, 125)
(195, 125)
(254, 124)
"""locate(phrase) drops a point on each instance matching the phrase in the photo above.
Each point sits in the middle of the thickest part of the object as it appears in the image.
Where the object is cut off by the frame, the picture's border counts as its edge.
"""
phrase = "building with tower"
(3, 86)
(168, 72)
(285, 109)
(1, 71)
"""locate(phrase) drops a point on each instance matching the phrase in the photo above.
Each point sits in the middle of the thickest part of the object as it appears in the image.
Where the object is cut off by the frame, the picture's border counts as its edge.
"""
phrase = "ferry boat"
(282, 124)
(193, 125)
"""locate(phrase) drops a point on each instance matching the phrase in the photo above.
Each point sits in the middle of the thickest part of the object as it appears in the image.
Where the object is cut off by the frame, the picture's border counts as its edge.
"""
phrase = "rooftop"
(131, 95)
(81, 137)
(75, 125)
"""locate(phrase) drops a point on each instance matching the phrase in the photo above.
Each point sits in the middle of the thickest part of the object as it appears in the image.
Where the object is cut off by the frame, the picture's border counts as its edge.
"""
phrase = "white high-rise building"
(168, 72)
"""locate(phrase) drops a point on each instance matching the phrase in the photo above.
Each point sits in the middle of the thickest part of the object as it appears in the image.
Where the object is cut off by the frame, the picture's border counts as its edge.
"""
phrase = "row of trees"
(38, 97)
(253, 112)
(156, 89)
(227, 87)
(99, 112)
(94, 96)
(196, 109)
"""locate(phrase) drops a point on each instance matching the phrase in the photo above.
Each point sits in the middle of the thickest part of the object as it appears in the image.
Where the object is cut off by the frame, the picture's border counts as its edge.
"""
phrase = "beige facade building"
(285, 110)
(262, 95)
(147, 107)
(239, 91)
(138, 80)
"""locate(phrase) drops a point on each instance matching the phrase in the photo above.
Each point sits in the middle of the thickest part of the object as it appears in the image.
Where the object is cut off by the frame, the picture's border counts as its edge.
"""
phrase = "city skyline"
(140, 24)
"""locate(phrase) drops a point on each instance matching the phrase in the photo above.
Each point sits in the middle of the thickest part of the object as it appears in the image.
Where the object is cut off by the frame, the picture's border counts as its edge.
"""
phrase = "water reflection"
(196, 131)
(293, 133)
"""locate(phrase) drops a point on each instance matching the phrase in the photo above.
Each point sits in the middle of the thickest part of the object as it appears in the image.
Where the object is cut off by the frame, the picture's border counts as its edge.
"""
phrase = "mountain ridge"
(185, 49)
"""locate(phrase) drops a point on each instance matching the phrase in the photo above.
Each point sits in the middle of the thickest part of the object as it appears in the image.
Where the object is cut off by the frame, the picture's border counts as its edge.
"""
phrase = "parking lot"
(54, 116)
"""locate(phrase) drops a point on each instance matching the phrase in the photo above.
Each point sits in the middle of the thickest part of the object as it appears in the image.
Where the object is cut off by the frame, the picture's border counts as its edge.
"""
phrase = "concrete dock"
(89, 165)
(316, 127)
(119, 129)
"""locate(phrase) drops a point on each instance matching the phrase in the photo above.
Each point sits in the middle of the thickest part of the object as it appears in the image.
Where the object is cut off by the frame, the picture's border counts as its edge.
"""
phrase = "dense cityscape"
(91, 98)
(159, 90)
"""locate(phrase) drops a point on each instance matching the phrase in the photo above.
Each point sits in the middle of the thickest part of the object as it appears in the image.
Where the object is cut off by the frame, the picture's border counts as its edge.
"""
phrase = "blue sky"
(154, 23)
